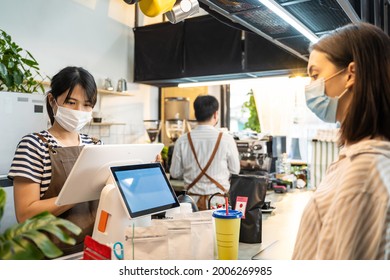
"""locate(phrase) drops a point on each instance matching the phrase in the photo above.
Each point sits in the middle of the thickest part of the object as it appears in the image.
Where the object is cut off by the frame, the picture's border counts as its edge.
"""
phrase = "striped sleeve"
(31, 160)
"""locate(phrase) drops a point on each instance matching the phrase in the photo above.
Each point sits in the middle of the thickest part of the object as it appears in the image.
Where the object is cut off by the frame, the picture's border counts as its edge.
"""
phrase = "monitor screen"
(91, 170)
(144, 189)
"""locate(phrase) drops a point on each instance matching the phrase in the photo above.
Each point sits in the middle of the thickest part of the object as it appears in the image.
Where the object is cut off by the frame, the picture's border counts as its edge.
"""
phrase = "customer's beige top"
(348, 216)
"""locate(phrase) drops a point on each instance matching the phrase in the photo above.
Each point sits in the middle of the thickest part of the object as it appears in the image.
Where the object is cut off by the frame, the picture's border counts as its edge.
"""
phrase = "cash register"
(130, 185)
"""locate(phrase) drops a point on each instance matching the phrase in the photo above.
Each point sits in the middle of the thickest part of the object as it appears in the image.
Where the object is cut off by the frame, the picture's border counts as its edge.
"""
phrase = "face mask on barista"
(72, 120)
(323, 106)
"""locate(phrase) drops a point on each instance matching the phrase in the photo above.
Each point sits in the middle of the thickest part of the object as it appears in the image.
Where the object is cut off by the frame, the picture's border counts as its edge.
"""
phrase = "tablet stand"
(112, 218)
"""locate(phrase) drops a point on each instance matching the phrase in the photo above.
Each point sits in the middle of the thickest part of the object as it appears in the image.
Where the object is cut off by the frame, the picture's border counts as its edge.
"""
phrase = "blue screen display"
(144, 189)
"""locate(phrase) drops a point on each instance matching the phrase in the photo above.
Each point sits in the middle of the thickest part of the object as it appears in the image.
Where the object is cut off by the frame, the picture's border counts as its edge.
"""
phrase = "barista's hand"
(159, 158)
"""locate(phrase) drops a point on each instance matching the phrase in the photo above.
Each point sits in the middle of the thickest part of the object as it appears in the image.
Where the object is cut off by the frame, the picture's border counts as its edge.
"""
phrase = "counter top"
(177, 185)
(279, 228)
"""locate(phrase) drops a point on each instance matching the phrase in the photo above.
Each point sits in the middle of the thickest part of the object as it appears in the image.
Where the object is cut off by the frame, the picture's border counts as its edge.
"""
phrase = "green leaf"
(45, 245)
(28, 240)
(29, 62)
(68, 225)
(20, 249)
(8, 81)
(41, 87)
(61, 235)
(11, 65)
(18, 78)
(31, 56)
(3, 196)
(3, 70)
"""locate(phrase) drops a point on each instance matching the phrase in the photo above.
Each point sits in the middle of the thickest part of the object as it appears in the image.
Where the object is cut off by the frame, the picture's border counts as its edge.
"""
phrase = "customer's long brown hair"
(369, 48)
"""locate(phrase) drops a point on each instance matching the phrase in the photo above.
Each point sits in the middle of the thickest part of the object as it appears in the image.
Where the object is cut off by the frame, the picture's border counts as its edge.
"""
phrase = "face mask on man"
(72, 120)
(323, 106)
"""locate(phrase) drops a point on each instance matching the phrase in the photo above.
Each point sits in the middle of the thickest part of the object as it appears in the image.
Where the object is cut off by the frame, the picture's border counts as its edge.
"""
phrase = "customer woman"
(348, 216)
(43, 160)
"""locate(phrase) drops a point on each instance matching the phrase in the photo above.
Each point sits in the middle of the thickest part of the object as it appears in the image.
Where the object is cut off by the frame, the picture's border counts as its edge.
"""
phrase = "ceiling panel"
(318, 16)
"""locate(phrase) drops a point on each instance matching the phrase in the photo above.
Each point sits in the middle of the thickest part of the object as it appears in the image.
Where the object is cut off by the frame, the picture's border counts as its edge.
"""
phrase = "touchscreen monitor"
(91, 170)
(144, 189)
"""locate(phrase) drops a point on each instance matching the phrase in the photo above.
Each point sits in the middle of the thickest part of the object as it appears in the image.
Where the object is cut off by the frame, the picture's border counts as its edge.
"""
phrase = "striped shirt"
(226, 160)
(32, 158)
(348, 216)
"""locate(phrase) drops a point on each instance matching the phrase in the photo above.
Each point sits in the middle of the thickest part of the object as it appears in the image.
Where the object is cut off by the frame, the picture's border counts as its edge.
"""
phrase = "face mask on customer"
(72, 120)
(323, 106)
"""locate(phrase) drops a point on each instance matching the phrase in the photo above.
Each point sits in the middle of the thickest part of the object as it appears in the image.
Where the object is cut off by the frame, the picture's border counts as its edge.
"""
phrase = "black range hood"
(202, 49)
(262, 43)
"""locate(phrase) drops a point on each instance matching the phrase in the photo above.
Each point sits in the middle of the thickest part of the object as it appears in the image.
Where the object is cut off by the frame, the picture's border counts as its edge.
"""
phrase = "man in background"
(205, 157)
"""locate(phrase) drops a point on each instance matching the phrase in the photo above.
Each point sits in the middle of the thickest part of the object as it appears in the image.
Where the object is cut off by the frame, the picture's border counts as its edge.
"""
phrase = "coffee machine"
(255, 155)
(174, 129)
(153, 128)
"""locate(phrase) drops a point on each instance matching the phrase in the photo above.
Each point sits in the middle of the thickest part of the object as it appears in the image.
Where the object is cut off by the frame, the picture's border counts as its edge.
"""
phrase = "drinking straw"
(227, 204)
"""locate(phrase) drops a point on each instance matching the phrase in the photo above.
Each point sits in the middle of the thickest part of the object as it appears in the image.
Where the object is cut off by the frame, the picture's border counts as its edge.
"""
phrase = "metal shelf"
(106, 124)
(112, 92)
(100, 90)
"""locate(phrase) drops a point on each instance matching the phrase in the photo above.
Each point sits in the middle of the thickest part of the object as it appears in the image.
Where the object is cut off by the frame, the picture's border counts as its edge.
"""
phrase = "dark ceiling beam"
(293, 2)
(386, 11)
(365, 10)
(378, 13)
(349, 10)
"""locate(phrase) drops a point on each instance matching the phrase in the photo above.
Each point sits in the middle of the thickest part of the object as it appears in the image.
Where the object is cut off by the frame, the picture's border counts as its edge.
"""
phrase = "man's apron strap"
(203, 170)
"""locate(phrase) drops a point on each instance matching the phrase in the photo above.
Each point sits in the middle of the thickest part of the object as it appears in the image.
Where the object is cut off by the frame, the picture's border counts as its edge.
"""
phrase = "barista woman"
(43, 160)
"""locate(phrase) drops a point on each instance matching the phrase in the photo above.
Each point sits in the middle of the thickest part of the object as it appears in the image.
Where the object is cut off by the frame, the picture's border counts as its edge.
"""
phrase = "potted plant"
(27, 240)
(19, 71)
(253, 120)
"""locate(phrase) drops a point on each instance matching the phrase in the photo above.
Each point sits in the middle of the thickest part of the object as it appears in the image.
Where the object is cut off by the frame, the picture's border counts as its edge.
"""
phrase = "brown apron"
(202, 201)
(82, 214)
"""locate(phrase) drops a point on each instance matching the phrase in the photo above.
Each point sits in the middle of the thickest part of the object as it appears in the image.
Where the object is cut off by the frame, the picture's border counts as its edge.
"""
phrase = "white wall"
(94, 34)
(281, 108)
